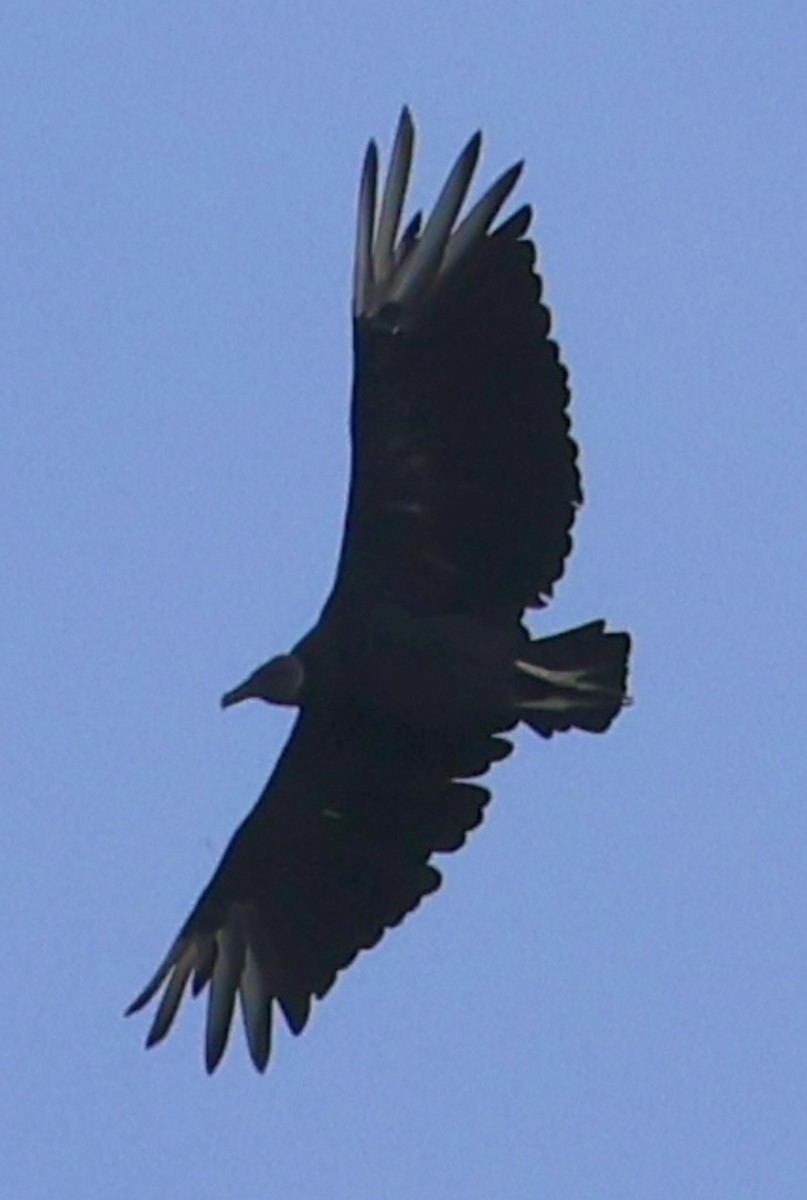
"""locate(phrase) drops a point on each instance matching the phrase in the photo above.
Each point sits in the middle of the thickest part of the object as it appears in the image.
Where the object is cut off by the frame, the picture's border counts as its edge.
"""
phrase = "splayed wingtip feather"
(172, 997)
(515, 226)
(223, 987)
(365, 228)
(423, 265)
(296, 1010)
(474, 227)
(156, 981)
(256, 1011)
(395, 187)
(399, 271)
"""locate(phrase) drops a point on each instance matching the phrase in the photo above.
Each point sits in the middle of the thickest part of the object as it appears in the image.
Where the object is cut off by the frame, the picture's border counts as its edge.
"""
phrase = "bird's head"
(278, 681)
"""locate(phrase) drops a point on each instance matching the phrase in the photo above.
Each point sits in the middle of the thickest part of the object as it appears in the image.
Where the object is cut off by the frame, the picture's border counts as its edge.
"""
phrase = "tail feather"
(574, 680)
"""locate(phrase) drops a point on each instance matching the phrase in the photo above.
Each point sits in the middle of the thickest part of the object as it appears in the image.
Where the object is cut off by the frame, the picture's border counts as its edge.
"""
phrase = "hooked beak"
(279, 681)
(242, 692)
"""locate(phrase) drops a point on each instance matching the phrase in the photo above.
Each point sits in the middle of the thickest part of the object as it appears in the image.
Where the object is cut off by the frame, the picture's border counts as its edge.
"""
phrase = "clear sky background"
(608, 999)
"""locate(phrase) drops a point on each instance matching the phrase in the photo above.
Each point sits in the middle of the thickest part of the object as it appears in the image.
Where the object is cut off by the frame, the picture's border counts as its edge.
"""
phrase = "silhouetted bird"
(463, 492)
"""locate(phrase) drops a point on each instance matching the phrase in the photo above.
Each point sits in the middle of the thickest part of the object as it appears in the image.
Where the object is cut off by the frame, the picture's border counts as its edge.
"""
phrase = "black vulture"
(463, 491)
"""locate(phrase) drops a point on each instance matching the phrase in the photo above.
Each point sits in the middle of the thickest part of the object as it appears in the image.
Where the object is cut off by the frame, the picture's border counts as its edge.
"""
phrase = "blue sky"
(607, 999)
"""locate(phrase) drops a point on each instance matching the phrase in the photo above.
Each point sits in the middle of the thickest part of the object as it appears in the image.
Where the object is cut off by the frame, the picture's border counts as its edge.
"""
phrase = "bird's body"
(463, 492)
(436, 671)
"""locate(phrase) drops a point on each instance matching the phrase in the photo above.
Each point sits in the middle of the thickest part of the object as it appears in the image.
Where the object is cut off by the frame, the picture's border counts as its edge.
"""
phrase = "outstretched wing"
(335, 851)
(465, 481)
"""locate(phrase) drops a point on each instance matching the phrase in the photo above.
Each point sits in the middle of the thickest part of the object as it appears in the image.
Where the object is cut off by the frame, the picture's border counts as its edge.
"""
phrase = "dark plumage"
(463, 492)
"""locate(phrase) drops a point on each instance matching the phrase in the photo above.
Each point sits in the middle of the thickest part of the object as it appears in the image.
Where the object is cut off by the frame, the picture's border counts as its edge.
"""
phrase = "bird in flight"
(463, 490)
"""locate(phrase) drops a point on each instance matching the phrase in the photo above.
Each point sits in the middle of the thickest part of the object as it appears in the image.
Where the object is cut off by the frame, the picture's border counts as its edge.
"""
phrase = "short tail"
(574, 680)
